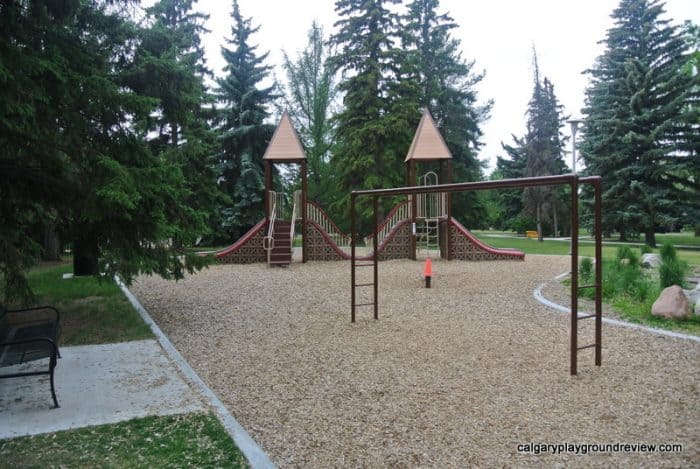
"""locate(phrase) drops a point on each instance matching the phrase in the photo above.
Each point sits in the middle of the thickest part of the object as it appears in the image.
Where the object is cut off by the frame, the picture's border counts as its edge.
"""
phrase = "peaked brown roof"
(285, 144)
(428, 144)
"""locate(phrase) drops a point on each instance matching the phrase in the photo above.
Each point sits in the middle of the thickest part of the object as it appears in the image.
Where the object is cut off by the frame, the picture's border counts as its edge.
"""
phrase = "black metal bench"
(28, 335)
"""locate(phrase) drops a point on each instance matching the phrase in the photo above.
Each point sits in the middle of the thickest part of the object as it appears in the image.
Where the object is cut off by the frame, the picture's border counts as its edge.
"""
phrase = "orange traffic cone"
(428, 272)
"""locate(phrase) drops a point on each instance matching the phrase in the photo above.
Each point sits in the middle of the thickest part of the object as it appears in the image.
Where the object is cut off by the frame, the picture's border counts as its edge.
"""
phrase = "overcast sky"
(497, 34)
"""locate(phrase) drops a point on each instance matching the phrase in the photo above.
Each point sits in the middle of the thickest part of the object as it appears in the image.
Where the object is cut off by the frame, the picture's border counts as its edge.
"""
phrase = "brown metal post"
(304, 188)
(376, 257)
(352, 257)
(574, 275)
(598, 271)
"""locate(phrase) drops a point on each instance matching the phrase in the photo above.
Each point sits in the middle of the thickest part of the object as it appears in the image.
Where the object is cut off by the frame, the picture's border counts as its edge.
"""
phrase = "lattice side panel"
(463, 249)
(251, 252)
(399, 246)
(317, 247)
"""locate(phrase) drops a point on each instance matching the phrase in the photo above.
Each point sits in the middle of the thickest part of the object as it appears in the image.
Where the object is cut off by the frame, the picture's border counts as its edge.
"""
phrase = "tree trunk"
(52, 244)
(697, 230)
(86, 254)
(650, 237)
(555, 219)
(540, 236)
(623, 235)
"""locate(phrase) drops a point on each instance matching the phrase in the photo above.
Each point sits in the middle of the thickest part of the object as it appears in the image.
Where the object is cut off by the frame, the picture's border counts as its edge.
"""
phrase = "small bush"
(672, 273)
(627, 257)
(645, 249)
(672, 270)
(585, 269)
(668, 252)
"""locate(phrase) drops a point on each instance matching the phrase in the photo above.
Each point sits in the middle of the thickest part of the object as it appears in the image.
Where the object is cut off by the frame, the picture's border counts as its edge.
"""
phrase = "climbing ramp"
(465, 246)
(326, 242)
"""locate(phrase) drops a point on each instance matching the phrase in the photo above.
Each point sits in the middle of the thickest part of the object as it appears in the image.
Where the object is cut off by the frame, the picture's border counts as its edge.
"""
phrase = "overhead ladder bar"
(572, 180)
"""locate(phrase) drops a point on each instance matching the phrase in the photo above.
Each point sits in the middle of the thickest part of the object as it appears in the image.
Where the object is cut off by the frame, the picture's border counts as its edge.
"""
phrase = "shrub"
(625, 256)
(585, 269)
(672, 270)
(668, 252)
(645, 249)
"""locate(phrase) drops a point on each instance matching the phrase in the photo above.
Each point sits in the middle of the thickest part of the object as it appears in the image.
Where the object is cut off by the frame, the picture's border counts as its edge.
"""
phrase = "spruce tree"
(169, 66)
(446, 84)
(244, 134)
(69, 147)
(368, 154)
(641, 129)
(543, 149)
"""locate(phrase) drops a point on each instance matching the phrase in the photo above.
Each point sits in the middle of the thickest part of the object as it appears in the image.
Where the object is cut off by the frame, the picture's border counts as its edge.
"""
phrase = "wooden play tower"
(282, 214)
(429, 212)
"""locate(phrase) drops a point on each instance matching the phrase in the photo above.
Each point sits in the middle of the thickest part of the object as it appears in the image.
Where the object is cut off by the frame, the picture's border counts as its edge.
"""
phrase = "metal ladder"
(363, 265)
(428, 234)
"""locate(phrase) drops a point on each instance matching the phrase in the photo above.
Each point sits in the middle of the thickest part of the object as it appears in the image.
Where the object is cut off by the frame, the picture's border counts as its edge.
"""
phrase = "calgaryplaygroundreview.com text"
(598, 448)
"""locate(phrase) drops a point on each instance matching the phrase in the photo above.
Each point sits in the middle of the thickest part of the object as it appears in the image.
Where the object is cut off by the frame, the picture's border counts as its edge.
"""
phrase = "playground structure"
(422, 223)
(572, 180)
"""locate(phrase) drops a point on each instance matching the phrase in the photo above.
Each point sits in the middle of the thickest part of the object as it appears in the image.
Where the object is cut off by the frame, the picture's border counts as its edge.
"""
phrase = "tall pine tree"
(543, 150)
(641, 128)
(69, 146)
(169, 67)
(447, 87)
(244, 134)
(368, 154)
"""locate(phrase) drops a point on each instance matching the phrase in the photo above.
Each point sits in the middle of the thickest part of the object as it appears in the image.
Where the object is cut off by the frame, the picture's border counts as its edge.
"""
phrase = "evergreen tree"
(68, 147)
(244, 135)
(169, 66)
(368, 154)
(510, 201)
(446, 84)
(543, 151)
(641, 128)
(309, 101)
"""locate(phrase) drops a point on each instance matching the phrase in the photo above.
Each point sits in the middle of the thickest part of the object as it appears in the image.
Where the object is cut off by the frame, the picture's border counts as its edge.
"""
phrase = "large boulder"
(671, 303)
(651, 261)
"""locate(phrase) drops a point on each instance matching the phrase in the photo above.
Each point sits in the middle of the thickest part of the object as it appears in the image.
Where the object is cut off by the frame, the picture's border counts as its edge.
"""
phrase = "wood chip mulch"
(453, 376)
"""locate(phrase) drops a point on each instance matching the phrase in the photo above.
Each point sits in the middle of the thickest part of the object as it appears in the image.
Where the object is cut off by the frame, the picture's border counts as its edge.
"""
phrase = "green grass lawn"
(586, 248)
(92, 311)
(188, 440)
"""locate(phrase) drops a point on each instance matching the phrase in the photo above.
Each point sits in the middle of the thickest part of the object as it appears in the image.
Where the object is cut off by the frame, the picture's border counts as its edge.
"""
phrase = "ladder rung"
(586, 346)
(364, 304)
(586, 316)
(364, 265)
(364, 284)
(586, 286)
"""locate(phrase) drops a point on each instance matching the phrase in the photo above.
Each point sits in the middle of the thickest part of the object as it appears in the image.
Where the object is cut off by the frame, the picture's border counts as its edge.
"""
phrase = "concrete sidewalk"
(96, 384)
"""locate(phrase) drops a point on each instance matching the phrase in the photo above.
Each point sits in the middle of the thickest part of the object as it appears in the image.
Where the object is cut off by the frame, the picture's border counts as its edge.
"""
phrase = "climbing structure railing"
(398, 214)
(276, 201)
(572, 180)
(296, 213)
(315, 214)
(430, 206)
